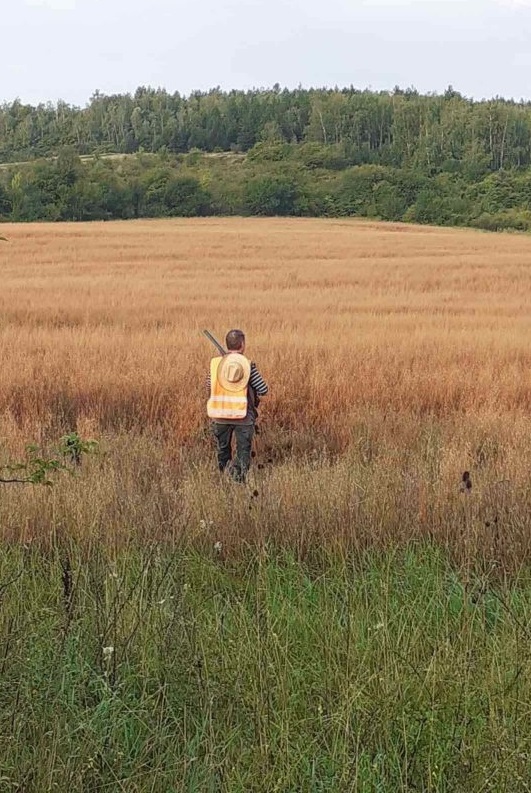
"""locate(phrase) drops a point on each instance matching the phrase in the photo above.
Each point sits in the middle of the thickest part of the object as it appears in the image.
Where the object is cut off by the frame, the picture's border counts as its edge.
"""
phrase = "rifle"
(214, 342)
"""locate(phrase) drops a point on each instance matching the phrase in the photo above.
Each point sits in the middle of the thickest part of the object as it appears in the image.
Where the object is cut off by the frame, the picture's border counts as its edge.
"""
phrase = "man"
(235, 386)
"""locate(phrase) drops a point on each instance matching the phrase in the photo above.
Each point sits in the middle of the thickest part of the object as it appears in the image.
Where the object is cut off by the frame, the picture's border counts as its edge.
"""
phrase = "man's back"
(235, 387)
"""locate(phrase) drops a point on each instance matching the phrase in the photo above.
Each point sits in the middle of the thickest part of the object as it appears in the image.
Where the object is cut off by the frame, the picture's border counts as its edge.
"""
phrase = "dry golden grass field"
(397, 357)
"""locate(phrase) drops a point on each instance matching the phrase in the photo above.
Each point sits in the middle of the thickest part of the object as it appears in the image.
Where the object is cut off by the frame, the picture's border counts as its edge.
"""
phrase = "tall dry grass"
(397, 357)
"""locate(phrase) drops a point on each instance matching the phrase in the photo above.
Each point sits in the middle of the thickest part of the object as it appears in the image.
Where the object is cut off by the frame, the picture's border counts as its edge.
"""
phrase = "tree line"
(307, 179)
(395, 155)
(400, 128)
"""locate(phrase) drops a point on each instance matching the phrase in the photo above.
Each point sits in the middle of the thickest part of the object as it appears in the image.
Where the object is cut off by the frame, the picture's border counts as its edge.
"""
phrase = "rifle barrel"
(214, 342)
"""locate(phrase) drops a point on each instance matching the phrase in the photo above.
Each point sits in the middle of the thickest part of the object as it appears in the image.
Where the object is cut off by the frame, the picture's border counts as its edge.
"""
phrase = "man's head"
(235, 341)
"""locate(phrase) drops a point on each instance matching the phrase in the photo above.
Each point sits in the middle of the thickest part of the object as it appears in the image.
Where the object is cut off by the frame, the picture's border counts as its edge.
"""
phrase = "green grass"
(261, 674)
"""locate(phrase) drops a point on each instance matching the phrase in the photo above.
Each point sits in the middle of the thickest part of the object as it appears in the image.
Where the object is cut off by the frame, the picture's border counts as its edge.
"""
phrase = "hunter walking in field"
(235, 386)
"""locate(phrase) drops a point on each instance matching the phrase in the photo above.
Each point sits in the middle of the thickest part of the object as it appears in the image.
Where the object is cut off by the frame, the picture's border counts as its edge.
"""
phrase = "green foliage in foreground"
(37, 468)
(168, 671)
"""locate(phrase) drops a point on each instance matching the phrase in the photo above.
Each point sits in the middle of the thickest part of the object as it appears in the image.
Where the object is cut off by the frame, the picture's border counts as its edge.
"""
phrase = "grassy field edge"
(153, 670)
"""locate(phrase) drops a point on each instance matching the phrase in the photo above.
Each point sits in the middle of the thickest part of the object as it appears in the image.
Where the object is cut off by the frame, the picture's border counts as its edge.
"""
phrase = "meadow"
(350, 620)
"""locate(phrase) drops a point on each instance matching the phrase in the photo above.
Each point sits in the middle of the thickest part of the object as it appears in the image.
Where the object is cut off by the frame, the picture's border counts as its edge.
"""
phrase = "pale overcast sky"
(66, 49)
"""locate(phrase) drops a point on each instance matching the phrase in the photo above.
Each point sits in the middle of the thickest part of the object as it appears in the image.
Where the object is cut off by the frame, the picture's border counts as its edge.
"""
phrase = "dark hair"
(235, 339)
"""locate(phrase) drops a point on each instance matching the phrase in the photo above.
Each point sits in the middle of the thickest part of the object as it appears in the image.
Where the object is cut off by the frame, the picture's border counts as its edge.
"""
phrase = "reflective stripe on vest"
(225, 404)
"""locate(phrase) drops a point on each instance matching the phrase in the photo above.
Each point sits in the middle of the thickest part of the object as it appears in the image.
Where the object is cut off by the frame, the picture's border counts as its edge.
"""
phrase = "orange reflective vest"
(225, 404)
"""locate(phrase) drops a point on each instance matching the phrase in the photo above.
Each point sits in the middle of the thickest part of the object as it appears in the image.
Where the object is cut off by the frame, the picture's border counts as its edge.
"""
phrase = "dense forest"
(396, 155)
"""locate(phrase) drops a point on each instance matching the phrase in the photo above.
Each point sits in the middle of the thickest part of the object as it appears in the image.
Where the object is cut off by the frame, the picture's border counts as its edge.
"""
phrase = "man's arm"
(257, 382)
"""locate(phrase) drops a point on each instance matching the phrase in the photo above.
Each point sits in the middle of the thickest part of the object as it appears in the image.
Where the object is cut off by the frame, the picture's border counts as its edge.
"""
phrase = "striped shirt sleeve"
(257, 382)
